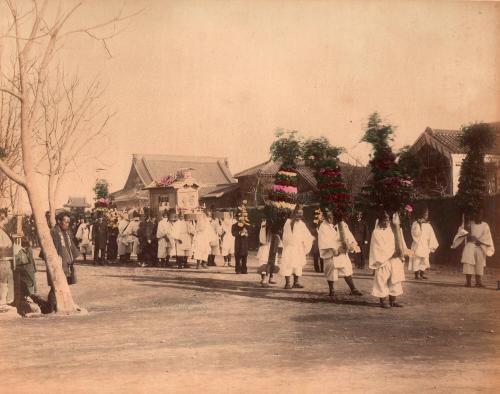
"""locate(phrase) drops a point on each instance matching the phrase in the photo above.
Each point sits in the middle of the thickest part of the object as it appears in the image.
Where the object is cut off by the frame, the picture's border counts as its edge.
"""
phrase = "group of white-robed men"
(335, 243)
(203, 240)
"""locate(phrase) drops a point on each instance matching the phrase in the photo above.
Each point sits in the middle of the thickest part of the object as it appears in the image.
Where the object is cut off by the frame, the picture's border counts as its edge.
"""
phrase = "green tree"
(315, 151)
(477, 139)
(101, 189)
(389, 187)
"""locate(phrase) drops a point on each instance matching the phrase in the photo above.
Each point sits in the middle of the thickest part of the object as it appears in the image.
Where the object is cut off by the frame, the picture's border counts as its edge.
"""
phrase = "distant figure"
(100, 239)
(240, 235)
(131, 232)
(112, 246)
(203, 236)
(297, 243)
(217, 229)
(424, 243)
(124, 246)
(83, 235)
(359, 230)
(183, 232)
(478, 245)
(165, 241)
(227, 239)
(147, 234)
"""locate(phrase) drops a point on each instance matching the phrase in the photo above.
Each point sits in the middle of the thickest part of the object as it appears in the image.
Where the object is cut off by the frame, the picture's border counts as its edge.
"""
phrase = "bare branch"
(11, 93)
(19, 179)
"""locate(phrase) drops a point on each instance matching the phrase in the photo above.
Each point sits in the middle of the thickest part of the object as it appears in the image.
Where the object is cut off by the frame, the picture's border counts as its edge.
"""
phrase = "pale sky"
(215, 78)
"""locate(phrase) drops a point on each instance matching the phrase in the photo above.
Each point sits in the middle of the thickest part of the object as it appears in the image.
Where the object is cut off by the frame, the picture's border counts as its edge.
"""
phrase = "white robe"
(183, 232)
(389, 271)
(164, 235)
(473, 256)
(215, 242)
(83, 234)
(227, 246)
(203, 236)
(328, 242)
(424, 243)
(131, 236)
(296, 246)
(124, 247)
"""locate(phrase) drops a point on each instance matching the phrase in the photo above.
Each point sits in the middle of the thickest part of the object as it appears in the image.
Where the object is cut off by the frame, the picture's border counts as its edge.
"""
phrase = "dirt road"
(211, 331)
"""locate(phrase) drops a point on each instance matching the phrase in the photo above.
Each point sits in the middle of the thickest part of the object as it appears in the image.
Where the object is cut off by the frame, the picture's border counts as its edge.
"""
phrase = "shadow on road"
(242, 289)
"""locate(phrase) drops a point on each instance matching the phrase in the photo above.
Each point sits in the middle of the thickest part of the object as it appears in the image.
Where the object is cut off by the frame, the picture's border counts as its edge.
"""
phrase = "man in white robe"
(478, 246)
(131, 234)
(124, 246)
(389, 269)
(227, 239)
(424, 243)
(182, 233)
(297, 242)
(334, 252)
(164, 236)
(203, 236)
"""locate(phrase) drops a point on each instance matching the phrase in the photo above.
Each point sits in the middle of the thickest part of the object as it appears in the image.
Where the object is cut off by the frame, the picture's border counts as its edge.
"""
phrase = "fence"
(443, 215)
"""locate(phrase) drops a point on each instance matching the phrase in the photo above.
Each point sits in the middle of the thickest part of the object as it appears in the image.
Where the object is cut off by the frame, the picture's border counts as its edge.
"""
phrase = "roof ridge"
(176, 157)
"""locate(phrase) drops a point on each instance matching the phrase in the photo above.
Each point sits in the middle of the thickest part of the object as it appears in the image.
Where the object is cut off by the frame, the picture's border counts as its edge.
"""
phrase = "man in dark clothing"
(100, 239)
(146, 235)
(66, 249)
(112, 249)
(359, 230)
(240, 235)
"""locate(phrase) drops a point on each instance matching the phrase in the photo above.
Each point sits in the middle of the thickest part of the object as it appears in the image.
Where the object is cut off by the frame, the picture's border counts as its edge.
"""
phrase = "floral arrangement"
(242, 218)
(103, 202)
(112, 217)
(166, 180)
(333, 192)
(283, 194)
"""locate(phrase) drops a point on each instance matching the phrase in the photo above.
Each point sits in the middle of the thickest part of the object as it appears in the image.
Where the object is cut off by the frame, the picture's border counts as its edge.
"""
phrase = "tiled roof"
(448, 141)
(217, 191)
(76, 202)
(206, 170)
(270, 168)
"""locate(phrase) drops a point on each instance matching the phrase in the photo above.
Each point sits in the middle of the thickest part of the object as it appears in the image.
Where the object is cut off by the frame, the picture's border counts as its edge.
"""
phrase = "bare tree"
(32, 38)
(72, 117)
(9, 146)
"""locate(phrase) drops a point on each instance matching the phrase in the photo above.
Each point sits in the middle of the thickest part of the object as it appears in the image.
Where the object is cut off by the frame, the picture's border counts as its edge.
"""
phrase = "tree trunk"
(64, 300)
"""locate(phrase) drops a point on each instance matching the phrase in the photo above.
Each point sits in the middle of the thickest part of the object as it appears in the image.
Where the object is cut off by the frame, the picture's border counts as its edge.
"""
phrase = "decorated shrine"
(179, 192)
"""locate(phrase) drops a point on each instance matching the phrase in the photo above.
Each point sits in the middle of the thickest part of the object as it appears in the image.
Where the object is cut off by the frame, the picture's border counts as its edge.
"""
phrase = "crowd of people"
(134, 237)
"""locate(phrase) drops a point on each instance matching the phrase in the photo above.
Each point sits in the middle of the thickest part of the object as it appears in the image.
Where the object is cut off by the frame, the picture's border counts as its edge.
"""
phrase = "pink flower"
(409, 208)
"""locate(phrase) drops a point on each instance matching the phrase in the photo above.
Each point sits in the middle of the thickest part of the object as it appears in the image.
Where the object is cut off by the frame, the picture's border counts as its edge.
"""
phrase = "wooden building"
(255, 182)
(209, 172)
(440, 154)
